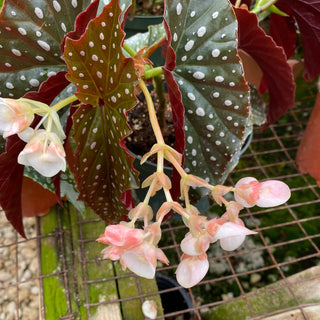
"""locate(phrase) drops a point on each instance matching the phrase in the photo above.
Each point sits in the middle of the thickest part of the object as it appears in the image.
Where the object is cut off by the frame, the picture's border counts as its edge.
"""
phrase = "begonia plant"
(69, 78)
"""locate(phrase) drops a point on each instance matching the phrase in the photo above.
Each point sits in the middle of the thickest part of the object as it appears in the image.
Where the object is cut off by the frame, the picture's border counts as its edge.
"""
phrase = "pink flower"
(192, 269)
(249, 192)
(45, 153)
(15, 116)
(134, 248)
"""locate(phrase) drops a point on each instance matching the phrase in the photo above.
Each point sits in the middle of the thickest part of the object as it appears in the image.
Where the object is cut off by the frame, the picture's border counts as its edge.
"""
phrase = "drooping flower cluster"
(44, 150)
(137, 249)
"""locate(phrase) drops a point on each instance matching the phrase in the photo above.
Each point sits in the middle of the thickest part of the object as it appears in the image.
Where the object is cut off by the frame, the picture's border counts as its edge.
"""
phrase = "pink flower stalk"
(45, 153)
(134, 248)
(249, 192)
(192, 269)
(15, 116)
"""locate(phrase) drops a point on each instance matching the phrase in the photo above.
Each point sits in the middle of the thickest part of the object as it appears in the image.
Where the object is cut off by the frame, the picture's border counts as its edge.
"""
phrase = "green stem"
(151, 73)
(61, 104)
(152, 113)
(258, 9)
(129, 49)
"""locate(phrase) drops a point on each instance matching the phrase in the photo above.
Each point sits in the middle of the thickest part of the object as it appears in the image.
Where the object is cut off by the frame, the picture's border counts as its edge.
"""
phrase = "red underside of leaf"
(11, 173)
(11, 183)
(283, 32)
(306, 13)
(272, 61)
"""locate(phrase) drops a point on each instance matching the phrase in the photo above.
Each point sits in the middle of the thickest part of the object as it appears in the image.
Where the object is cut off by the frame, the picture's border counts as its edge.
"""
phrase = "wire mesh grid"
(260, 280)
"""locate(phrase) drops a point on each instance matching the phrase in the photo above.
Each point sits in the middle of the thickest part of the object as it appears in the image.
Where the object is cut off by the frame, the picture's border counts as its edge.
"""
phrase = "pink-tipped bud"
(249, 192)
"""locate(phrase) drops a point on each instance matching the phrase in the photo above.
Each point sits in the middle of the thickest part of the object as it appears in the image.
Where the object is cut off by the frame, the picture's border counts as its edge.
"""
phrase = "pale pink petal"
(27, 134)
(188, 245)
(244, 193)
(150, 309)
(149, 252)
(195, 246)
(191, 271)
(111, 252)
(232, 235)
(139, 265)
(273, 193)
(121, 235)
(115, 234)
(232, 243)
(161, 256)
(231, 229)
(15, 116)
(45, 153)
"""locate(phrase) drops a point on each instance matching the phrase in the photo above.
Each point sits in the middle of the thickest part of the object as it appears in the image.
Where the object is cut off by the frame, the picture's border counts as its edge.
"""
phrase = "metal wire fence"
(274, 275)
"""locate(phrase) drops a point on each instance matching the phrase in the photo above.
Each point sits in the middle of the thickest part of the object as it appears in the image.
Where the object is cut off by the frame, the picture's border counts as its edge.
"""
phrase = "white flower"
(45, 153)
(15, 116)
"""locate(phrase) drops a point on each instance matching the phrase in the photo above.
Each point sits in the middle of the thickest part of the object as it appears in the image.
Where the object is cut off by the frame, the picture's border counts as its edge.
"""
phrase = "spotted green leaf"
(30, 36)
(105, 82)
(211, 81)
(155, 34)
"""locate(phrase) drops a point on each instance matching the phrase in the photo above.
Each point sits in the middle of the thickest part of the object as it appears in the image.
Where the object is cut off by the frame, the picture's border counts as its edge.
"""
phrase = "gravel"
(19, 271)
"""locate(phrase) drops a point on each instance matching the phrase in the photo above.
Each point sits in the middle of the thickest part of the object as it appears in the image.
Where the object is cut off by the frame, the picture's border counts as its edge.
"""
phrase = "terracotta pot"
(35, 200)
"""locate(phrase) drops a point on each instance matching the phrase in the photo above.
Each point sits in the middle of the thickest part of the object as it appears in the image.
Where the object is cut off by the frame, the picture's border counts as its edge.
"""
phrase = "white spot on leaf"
(179, 9)
(38, 12)
(189, 45)
(199, 75)
(44, 45)
(200, 112)
(201, 31)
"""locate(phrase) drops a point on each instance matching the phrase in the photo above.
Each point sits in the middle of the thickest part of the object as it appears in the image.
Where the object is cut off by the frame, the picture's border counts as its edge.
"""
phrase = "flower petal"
(191, 271)
(273, 193)
(231, 229)
(232, 243)
(139, 265)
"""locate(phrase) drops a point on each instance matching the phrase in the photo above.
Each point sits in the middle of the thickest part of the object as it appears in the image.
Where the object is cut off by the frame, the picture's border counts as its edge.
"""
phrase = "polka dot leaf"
(210, 78)
(150, 38)
(105, 82)
(30, 36)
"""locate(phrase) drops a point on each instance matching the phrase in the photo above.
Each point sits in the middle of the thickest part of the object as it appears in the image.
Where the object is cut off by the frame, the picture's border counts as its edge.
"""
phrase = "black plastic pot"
(175, 300)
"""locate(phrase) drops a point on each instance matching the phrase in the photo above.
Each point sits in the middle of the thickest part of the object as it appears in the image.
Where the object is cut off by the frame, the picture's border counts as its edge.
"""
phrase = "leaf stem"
(257, 9)
(152, 113)
(129, 49)
(237, 4)
(61, 104)
(151, 73)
